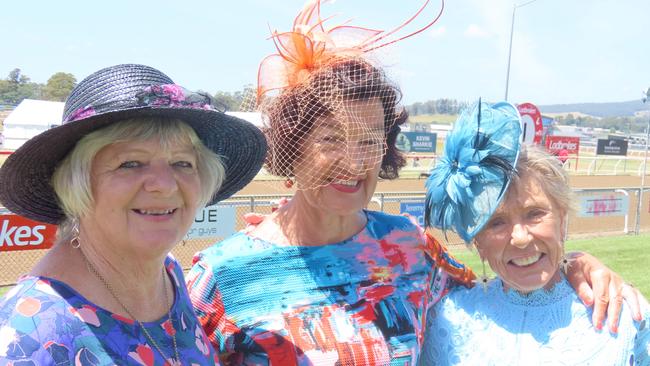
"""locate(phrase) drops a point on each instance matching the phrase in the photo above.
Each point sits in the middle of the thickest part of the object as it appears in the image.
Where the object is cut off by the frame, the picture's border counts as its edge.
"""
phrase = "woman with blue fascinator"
(512, 202)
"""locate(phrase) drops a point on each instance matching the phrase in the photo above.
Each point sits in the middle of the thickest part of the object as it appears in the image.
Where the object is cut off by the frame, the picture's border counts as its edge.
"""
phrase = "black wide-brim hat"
(115, 94)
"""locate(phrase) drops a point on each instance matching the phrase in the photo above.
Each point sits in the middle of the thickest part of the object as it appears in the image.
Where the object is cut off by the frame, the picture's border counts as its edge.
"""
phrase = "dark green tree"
(59, 86)
(227, 100)
(17, 87)
(241, 100)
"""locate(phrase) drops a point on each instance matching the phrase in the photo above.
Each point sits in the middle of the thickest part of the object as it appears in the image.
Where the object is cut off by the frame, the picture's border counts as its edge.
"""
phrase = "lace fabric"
(537, 298)
(471, 327)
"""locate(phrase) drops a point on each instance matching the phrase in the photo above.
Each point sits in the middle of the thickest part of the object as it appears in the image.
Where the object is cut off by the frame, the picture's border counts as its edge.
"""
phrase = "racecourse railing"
(612, 210)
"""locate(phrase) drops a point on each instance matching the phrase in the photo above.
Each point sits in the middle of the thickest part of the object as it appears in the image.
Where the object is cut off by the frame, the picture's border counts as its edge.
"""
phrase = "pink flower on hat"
(174, 92)
(81, 113)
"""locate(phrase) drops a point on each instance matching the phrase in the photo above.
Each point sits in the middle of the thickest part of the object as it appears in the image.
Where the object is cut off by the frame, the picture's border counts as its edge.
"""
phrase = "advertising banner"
(604, 205)
(19, 233)
(547, 122)
(555, 144)
(415, 209)
(611, 147)
(216, 221)
(531, 123)
(417, 142)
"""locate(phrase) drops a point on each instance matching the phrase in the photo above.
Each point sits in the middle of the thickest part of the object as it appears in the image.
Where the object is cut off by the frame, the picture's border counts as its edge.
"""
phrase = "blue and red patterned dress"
(46, 322)
(362, 301)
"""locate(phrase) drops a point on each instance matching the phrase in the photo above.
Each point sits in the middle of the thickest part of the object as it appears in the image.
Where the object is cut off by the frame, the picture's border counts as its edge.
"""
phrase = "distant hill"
(615, 109)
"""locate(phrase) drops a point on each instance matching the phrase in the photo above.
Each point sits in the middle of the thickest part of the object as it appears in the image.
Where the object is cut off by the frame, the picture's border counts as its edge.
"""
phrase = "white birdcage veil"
(325, 100)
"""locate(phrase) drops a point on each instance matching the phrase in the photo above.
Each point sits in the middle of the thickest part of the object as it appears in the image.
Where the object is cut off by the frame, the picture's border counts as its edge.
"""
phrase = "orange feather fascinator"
(311, 45)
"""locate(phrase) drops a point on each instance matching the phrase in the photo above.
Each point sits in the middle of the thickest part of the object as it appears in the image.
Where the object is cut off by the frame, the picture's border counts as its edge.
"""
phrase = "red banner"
(531, 123)
(19, 233)
(555, 144)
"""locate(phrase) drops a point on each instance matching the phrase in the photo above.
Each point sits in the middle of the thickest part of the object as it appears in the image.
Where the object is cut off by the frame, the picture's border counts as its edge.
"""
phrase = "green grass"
(604, 165)
(626, 255)
(434, 118)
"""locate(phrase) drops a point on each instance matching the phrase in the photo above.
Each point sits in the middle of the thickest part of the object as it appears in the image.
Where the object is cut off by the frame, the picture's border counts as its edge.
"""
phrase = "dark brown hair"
(292, 114)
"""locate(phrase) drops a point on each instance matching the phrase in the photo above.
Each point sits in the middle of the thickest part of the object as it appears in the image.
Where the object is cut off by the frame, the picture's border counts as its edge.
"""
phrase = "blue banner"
(417, 142)
(413, 208)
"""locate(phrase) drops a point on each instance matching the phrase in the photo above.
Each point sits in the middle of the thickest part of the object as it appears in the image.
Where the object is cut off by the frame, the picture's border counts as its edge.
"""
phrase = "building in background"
(30, 118)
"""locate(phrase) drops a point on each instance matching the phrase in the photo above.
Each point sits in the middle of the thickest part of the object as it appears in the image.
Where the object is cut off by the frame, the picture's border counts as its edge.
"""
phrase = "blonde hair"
(549, 173)
(71, 179)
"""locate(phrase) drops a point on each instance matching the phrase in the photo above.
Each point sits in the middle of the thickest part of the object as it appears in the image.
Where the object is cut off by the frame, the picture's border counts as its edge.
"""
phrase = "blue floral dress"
(46, 322)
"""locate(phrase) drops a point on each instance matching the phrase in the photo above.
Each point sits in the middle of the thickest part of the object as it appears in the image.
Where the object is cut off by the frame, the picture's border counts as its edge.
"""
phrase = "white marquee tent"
(30, 118)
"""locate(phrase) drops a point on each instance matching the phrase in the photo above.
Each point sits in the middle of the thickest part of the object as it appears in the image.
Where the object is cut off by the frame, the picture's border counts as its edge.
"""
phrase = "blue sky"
(564, 51)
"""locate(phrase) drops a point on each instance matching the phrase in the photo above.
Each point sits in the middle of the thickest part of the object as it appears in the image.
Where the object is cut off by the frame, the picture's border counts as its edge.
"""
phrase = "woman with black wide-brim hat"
(135, 158)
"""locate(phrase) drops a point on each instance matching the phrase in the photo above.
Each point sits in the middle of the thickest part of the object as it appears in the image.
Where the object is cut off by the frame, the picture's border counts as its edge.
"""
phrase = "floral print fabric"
(45, 322)
(358, 302)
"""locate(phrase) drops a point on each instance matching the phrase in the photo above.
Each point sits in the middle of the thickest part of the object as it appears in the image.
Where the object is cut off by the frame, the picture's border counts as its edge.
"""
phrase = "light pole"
(637, 229)
(512, 27)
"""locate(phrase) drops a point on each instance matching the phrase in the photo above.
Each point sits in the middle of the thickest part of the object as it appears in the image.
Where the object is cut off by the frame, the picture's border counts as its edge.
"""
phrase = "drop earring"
(288, 183)
(74, 241)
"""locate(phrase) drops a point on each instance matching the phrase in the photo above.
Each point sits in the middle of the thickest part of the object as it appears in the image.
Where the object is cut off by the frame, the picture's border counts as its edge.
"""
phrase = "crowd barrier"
(599, 211)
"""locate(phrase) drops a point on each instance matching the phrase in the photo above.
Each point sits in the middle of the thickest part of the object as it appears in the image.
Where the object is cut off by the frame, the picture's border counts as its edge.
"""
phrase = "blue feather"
(469, 181)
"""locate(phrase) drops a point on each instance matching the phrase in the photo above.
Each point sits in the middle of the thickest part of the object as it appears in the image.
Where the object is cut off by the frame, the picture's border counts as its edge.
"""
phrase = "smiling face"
(523, 240)
(340, 161)
(145, 196)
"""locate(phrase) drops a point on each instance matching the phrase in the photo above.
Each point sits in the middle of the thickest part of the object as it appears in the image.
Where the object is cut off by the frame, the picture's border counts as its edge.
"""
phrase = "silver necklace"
(153, 342)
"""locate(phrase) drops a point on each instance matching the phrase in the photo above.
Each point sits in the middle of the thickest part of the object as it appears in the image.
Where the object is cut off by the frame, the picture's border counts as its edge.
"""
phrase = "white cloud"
(475, 31)
(438, 31)
(530, 76)
(496, 14)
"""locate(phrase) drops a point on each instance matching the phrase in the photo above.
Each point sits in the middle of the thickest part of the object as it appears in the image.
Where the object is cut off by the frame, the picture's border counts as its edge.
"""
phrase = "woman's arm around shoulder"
(456, 269)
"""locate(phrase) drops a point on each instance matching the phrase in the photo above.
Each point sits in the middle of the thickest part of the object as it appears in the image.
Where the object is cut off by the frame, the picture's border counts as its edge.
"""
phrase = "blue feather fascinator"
(470, 180)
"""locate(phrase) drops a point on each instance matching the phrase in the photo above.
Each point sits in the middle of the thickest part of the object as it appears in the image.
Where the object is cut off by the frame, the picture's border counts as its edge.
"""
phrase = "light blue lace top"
(472, 327)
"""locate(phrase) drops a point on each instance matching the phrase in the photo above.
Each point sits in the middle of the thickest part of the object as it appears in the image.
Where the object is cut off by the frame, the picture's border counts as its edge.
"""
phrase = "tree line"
(623, 124)
(18, 86)
(436, 106)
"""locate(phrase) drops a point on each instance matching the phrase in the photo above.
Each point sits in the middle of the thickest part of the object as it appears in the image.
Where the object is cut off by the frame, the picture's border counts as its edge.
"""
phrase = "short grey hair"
(546, 170)
(549, 173)
(71, 179)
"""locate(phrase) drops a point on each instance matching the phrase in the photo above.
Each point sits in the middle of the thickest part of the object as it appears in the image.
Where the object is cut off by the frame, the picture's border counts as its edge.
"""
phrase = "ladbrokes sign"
(555, 144)
(19, 233)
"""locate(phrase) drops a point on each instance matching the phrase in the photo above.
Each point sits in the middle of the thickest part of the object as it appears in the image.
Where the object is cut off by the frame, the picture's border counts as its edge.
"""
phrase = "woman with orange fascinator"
(323, 280)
